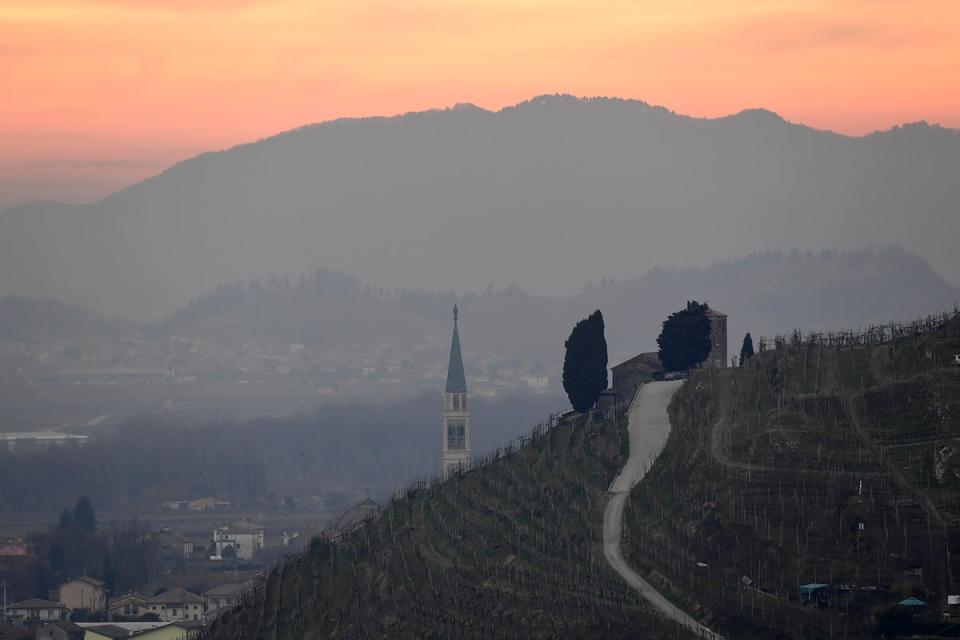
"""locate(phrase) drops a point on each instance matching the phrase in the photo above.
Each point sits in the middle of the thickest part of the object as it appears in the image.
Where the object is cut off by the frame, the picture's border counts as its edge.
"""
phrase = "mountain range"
(550, 194)
(762, 293)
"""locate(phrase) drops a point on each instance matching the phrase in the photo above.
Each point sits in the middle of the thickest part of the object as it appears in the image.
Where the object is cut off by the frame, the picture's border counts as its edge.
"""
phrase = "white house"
(175, 605)
(36, 611)
(245, 538)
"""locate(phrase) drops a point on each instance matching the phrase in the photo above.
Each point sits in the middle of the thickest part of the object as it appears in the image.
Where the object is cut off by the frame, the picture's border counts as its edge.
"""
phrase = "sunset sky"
(95, 95)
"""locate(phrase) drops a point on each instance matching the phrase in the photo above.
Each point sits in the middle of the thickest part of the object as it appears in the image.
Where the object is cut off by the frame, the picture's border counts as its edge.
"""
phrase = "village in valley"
(188, 579)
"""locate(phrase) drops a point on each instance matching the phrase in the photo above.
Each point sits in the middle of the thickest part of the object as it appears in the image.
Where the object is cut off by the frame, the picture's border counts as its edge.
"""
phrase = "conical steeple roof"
(456, 381)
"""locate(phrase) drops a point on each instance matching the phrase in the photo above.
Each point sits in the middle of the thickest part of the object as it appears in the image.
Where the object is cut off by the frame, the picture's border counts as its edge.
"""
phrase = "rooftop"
(241, 527)
(650, 359)
(66, 625)
(87, 579)
(40, 435)
(35, 603)
(110, 631)
(175, 596)
(129, 596)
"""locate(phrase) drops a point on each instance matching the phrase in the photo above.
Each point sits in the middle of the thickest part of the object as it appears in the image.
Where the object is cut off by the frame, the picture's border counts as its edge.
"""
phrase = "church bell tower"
(456, 417)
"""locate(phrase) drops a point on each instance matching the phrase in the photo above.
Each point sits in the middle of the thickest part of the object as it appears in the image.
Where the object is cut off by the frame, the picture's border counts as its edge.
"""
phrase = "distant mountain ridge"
(549, 193)
(762, 293)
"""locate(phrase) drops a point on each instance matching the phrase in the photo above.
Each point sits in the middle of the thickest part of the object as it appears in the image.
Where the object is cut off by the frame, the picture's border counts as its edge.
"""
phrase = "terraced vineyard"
(833, 465)
(509, 550)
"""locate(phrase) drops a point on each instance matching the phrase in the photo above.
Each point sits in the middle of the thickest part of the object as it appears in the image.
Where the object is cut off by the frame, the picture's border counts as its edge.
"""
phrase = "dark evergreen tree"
(109, 575)
(585, 362)
(746, 351)
(684, 341)
(65, 518)
(83, 514)
(55, 558)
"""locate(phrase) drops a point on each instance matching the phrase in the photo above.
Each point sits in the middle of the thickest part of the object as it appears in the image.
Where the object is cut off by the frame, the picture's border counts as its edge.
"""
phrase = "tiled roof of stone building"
(175, 596)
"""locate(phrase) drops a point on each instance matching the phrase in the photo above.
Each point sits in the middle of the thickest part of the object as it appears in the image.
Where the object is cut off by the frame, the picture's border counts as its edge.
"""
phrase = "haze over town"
(511, 319)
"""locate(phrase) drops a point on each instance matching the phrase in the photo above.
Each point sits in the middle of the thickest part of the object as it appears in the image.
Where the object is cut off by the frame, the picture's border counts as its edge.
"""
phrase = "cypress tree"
(585, 362)
(746, 351)
(84, 515)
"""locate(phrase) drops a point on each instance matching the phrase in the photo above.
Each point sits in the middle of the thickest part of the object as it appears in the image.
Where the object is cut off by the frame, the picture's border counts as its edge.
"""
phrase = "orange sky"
(95, 94)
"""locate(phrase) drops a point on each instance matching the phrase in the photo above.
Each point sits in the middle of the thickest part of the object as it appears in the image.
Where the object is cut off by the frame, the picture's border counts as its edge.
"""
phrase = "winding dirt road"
(649, 426)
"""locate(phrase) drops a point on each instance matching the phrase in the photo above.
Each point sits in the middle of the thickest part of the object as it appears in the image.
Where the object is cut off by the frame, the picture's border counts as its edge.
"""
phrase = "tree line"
(684, 343)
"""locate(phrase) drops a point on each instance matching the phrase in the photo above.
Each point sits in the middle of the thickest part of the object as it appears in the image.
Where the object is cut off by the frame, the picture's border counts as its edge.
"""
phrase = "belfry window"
(456, 436)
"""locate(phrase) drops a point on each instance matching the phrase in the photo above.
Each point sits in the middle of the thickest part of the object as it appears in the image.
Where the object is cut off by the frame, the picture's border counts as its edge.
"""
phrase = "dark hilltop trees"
(746, 351)
(585, 362)
(83, 514)
(684, 341)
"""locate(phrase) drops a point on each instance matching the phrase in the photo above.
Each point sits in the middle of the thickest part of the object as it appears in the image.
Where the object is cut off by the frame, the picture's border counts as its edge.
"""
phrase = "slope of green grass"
(509, 550)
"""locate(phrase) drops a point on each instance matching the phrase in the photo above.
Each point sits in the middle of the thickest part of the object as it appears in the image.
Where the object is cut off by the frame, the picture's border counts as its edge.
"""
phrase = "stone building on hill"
(628, 375)
(718, 337)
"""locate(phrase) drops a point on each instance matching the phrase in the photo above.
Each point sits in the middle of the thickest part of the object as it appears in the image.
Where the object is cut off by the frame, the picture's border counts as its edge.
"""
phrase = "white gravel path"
(649, 426)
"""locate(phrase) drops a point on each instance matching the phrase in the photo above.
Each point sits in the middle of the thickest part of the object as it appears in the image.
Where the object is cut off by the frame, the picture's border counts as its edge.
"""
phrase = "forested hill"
(548, 193)
(763, 293)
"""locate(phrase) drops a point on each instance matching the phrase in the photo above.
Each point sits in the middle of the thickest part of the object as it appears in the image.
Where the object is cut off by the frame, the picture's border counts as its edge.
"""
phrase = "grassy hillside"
(510, 550)
(830, 459)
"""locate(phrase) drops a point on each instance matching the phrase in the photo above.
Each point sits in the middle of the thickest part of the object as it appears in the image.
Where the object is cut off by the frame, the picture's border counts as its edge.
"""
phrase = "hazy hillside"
(832, 464)
(764, 294)
(549, 194)
(511, 550)
(339, 452)
(24, 319)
